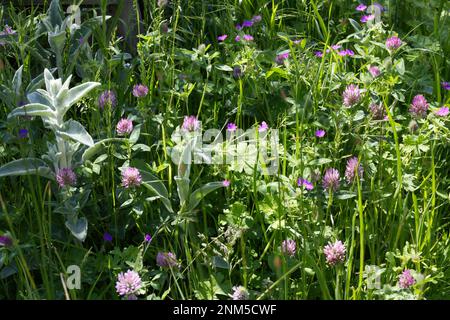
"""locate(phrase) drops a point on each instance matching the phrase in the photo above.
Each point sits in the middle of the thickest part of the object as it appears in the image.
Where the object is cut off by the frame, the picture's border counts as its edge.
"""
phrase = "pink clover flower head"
(406, 280)
(66, 177)
(330, 180)
(131, 177)
(124, 127)
(351, 95)
(334, 252)
(128, 283)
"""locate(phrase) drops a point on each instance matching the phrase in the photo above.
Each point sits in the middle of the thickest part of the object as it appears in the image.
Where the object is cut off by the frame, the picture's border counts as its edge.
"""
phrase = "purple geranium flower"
(367, 18)
(346, 52)
(281, 57)
(23, 133)
(361, 7)
(222, 37)
(263, 127)
(107, 237)
(247, 37)
(226, 183)
(231, 127)
(320, 133)
(5, 241)
(318, 54)
(445, 85)
(247, 23)
(305, 183)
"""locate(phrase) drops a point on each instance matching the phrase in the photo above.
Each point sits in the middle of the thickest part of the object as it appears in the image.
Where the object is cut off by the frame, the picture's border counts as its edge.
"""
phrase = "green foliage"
(391, 217)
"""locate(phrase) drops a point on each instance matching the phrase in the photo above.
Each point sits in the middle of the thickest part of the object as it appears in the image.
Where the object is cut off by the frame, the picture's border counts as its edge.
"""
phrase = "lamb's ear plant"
(67, 38)
(14, 93)
(183, 155)
(51, 105)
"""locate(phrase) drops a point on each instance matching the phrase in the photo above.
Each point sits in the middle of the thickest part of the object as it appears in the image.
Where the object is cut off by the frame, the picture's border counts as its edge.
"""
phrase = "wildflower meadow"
(224, 150)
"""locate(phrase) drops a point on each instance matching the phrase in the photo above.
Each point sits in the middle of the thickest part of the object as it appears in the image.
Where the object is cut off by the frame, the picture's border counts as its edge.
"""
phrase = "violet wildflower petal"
(23, 133)
(107, 237)
(222, 37)
(5, 241)
(263, 127)
(361, 7)
(305, 183)
(281, 57)
(320, 133)
(231, 127)
(237, 72)
(367, 18)
(247, 24)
